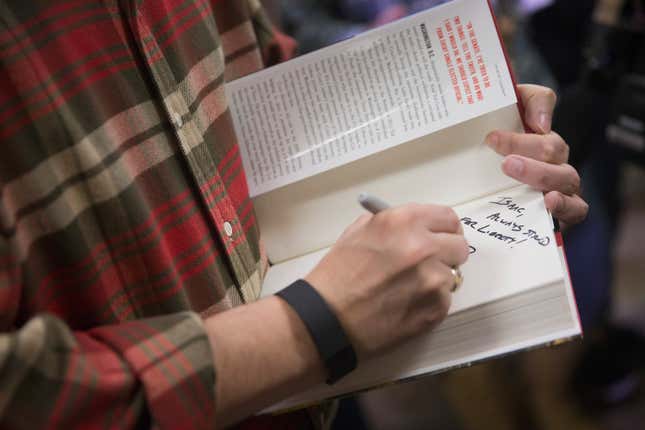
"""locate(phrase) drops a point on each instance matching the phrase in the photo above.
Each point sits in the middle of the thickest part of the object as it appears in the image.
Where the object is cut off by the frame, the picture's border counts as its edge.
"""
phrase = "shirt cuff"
(171, 356)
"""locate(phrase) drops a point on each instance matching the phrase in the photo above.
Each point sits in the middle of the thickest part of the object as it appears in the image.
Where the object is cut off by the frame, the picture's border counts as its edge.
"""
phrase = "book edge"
(562, 338)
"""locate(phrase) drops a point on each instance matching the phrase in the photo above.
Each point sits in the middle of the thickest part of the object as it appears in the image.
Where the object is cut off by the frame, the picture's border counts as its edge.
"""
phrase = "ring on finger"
(458, 277)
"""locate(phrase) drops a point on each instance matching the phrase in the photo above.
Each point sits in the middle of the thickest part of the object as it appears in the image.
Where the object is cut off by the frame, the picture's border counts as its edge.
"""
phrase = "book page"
(539, 317)
(378, 90)
(515, 295)
(512, 244)
(449, 167)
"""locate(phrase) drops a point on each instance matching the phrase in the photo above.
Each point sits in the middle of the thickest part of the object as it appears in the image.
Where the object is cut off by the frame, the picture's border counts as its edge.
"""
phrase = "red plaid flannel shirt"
(124, 210)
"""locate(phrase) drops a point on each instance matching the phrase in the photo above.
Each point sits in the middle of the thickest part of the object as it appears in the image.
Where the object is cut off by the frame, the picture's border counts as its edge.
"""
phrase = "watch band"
(322, 324)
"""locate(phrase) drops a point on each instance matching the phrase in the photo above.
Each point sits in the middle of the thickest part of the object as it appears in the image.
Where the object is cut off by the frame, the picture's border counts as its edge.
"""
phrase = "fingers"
(359, 223)
(540, 160)
(438, 219)
(286, 46)
(453, 248)
(417, 232)
(427, 217)
(549, 148)
(568, 209)
(539, 103)
(543, 176)
(433, 283)
(436, 304)
(435, 275)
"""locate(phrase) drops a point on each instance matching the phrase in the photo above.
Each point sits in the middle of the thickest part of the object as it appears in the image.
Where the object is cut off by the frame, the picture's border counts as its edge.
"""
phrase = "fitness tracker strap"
(326, 332)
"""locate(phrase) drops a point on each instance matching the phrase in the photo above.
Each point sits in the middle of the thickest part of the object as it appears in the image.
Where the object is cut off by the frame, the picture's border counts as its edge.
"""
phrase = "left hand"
(541, 159)
(282, 48)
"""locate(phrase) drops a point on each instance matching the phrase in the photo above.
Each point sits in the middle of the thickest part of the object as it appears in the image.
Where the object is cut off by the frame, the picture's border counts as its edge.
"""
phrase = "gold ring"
(459, 278)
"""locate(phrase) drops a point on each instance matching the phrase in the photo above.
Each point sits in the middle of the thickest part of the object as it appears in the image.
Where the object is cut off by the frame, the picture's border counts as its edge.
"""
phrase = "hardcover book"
(402, 112)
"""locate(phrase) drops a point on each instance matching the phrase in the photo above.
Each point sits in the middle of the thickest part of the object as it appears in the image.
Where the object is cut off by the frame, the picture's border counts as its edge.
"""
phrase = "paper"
(378, 90)
(512, 246)
(449, 167)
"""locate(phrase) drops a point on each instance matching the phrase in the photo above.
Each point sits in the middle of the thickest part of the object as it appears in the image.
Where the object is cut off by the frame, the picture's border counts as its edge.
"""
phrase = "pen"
(372, 203)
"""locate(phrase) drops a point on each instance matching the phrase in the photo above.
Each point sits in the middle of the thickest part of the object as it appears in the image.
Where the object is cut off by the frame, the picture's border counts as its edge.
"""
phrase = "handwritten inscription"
(509, 204)
(505, 226)
(487, 230)
(497, 217)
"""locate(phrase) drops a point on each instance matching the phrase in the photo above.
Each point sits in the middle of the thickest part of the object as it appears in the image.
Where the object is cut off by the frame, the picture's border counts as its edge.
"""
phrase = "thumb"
(539, 103)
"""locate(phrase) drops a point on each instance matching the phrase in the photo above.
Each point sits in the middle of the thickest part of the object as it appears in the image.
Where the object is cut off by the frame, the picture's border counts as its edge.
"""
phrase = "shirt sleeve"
(264, 30)
(138, 374)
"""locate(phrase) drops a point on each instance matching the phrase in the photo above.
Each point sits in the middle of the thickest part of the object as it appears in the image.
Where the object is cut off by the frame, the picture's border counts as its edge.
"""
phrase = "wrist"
(324, 327)
(268, 321)
(311, 366)
(262, 354)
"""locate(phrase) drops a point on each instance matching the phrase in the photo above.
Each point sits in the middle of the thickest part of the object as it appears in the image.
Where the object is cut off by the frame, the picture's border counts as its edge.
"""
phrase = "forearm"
(263, 354)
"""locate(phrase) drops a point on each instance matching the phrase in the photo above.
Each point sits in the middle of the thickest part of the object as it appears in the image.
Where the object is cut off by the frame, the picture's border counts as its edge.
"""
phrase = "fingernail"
(514, 166)
(545, 122)
(492, 140)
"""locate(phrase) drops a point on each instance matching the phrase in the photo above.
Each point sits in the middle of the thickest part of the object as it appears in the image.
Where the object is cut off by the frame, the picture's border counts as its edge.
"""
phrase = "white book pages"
(449, 167)
(513, 245)
(540, 316)
(378, 90)
(534, 318)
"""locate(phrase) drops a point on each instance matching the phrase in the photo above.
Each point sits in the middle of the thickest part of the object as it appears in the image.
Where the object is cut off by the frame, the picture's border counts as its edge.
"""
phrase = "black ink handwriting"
(510, 205)
(497, 217)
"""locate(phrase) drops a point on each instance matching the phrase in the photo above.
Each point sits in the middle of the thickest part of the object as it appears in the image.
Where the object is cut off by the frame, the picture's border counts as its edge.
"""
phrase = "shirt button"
(228, 229)
(176, 119)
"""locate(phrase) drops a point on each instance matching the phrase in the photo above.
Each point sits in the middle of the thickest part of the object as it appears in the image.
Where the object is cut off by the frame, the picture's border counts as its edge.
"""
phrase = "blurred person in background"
(528, 63)
(601, 69)
(319, 23)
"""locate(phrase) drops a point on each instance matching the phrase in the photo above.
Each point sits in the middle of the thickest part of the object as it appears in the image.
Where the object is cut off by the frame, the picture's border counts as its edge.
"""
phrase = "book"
(402, 112)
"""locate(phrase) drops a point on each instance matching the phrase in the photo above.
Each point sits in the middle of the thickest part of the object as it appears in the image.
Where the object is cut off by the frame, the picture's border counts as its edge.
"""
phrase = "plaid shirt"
(123, 207)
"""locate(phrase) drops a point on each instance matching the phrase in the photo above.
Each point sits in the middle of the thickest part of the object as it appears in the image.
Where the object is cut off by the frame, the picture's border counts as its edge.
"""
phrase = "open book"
(402, 112)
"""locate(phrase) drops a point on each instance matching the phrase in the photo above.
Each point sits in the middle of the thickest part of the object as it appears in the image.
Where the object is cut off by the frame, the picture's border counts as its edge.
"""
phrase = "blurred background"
(593, 54)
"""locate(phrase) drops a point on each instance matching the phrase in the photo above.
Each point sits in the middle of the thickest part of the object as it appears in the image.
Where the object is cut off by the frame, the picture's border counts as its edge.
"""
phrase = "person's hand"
(389, 275)
(390, 14)
(282, 48)
(541, 159)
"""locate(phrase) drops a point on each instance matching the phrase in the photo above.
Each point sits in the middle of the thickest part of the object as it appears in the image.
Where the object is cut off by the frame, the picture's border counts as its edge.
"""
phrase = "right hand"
(388, 277)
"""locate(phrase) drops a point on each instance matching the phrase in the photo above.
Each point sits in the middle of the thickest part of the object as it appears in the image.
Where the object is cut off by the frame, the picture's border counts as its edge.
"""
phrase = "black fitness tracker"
(326, 332)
